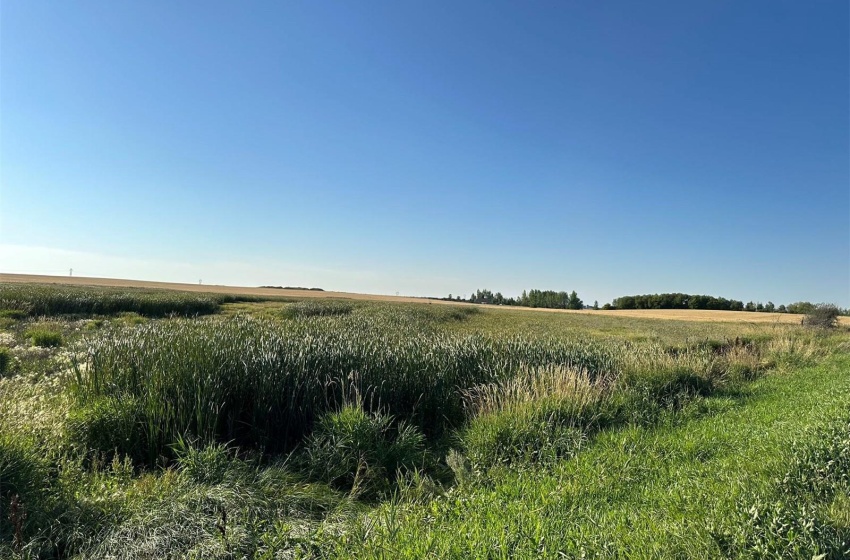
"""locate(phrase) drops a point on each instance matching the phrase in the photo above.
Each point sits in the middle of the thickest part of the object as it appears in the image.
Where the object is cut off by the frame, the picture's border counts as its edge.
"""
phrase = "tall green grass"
(49, 300)
(264, 384)
(375, 401)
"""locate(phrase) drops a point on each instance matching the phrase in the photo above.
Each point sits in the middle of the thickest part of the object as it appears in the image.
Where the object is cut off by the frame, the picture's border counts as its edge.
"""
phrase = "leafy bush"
(824, 316)
(362, 453)
(45, 337)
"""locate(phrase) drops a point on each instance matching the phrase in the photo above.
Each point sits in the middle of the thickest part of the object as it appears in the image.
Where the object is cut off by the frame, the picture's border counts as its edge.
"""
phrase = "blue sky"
(429, 148)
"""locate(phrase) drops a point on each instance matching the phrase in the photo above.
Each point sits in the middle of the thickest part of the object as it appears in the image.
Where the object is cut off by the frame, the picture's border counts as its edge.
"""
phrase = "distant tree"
(574, 302)
(801, 307)
(782, 309)
(595, 304)
(625, 302)
(450, 296)
(759, 306)
(608, 307)
(770, 307)
(750, 306)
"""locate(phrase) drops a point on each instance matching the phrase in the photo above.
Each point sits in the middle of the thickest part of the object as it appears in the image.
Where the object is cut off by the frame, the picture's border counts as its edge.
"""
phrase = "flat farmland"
(664, 314)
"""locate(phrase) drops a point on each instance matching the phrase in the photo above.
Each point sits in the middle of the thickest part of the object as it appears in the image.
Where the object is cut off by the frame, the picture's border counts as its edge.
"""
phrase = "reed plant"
(264, 383)
(18, 300)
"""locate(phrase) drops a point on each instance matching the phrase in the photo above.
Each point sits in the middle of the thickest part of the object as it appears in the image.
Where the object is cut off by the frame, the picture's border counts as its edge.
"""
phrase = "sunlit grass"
(355, 429)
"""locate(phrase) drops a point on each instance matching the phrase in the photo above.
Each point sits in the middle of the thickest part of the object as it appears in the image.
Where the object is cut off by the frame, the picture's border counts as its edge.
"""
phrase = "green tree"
(822, 315)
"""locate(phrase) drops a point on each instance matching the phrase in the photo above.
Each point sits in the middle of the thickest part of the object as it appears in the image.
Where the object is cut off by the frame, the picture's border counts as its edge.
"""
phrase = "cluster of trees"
(531, 298)
(551, 299)
(676, 301)
(689, 301)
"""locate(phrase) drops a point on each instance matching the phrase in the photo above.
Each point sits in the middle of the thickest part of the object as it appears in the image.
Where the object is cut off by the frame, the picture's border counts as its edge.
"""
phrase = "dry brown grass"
(668, 314)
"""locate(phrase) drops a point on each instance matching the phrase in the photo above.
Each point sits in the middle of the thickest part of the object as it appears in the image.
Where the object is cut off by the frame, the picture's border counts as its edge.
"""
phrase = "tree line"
(529, 298)
(562, 300)
(691, 301)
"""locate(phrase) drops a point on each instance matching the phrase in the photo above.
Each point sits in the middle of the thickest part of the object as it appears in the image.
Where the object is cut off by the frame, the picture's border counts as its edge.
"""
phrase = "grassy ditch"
(761, 475)
(331, 429)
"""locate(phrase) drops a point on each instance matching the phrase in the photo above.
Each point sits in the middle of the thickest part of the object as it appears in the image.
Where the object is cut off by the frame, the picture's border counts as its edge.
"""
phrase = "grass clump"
(362, 453)
(210, 464)
(317, 308)
(541, 415)
(13, 314)
(45, 337)
(24, 476)
(108, 426)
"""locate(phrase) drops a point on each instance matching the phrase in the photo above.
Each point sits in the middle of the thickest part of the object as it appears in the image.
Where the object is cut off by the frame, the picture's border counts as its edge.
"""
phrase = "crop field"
(143, 422)
(282, 293)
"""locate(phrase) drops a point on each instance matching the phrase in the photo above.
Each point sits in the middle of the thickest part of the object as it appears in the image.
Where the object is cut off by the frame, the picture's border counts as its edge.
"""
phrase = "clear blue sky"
(432, 147)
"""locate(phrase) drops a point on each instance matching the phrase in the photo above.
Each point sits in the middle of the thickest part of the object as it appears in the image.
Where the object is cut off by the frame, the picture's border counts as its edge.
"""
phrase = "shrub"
(362, 453)
(45, 337)
(824, 316)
